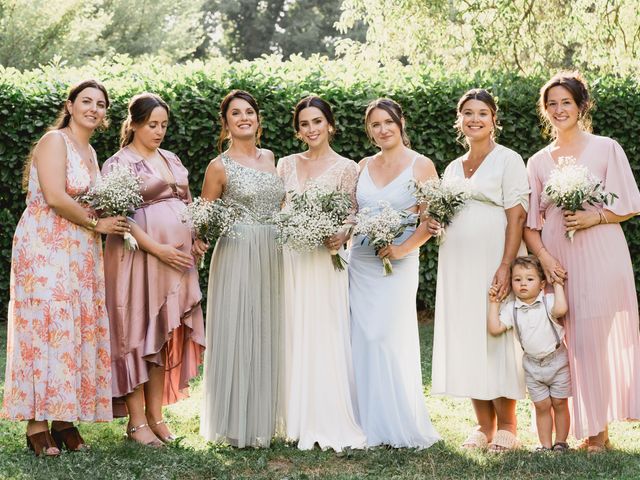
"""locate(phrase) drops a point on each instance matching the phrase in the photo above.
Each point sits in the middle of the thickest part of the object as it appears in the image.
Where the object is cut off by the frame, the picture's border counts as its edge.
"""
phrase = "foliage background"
(29, 102)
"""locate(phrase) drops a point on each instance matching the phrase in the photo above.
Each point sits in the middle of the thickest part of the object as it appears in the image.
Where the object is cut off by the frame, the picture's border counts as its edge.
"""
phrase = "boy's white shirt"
(537, 338)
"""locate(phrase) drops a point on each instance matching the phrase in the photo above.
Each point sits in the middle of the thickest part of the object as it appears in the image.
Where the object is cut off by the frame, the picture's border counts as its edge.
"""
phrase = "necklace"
(479, 162)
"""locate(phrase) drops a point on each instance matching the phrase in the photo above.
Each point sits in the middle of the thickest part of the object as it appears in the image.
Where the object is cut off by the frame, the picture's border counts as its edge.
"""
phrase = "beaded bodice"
(258, 194)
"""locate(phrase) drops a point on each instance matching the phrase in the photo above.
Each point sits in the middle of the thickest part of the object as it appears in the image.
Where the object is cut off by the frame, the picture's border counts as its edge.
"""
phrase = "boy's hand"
(493, 294)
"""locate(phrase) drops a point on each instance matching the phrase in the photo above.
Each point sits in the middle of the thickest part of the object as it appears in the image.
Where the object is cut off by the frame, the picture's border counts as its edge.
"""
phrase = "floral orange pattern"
(58, 352)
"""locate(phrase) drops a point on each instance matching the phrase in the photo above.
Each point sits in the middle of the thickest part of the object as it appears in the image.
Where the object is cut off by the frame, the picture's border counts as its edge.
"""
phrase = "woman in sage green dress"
(243, 369)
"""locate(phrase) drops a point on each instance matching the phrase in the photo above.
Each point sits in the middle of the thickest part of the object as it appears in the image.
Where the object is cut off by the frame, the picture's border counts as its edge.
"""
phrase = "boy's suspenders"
(546, 309)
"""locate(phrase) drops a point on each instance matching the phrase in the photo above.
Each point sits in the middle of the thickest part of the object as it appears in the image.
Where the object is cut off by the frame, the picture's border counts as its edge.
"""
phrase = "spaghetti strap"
(413, 162)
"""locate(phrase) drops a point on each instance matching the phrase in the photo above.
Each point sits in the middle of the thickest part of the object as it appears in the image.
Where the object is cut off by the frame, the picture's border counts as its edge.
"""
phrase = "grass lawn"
(111, 457)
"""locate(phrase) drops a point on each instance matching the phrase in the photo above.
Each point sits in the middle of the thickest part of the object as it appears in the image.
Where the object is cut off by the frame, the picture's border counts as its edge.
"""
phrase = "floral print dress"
(58, 361)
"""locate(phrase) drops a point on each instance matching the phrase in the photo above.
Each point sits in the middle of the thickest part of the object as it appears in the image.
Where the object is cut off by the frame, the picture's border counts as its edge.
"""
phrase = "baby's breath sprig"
(117, 193)
(311, 217)
(382, 228)
(570, 186)
(210, 219)
(443, 198)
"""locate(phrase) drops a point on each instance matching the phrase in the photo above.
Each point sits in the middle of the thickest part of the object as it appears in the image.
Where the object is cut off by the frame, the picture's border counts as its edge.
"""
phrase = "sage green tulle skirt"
(243, 369)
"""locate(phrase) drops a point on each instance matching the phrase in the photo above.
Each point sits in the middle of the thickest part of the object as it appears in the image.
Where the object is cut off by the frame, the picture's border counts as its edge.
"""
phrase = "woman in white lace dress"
(319, 376)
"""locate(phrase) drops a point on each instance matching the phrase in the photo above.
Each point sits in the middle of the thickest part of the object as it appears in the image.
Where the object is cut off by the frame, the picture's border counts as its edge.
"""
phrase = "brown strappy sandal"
(69, 437)
(41, 443)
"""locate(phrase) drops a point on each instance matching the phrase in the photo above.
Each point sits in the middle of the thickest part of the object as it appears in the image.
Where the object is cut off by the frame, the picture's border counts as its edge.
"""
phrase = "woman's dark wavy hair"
(320, 104)
(579, 90)
(224, 108)
(140, 108)
(64, 119)
(483, 96)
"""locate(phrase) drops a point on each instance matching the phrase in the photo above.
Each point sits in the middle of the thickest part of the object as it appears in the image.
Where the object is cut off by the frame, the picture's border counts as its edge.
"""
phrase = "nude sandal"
(503, 441)
(168, 439)
(476, 439)
(153, 443)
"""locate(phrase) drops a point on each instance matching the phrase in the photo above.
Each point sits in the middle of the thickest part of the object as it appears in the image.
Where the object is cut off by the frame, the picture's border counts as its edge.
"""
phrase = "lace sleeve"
(285, 171)
(348, 183)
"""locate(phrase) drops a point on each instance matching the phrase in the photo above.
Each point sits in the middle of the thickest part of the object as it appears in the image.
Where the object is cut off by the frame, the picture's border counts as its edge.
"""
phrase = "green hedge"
(29, 102)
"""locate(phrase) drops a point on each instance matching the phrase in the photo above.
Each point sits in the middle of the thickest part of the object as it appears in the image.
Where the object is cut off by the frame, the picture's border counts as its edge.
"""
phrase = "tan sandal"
(503, 441)
(595, 447)
(476, 440)
(156, 443)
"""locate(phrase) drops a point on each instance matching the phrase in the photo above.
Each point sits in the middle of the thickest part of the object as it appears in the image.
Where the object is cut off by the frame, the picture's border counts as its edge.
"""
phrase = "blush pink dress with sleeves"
(602, 324)
(152, 305)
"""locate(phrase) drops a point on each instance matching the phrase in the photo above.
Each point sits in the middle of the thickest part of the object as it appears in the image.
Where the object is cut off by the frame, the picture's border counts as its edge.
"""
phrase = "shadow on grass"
(112, 457)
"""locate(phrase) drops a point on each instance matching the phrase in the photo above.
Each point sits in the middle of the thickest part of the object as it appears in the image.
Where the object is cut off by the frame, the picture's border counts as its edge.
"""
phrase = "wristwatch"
(92, 223)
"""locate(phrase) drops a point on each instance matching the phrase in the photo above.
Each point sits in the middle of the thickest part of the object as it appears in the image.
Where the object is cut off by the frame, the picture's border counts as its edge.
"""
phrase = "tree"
(34, 32)
(248, 26)
(526, 35)
(168, 28)
(251, 28)
(308, 27)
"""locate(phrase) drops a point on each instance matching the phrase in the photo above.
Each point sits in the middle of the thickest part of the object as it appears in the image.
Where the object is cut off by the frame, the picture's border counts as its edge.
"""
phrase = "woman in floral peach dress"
(58, 365)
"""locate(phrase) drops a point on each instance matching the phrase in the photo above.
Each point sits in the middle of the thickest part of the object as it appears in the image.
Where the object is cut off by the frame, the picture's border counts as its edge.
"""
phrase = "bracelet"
(91, 223)
(604, 216)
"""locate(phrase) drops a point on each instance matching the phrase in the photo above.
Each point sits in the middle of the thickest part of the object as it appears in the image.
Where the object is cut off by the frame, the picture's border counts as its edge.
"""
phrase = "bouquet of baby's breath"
(443, 199)
(117, 193)
(210, 219)
(570, 186)
(311, 217)
(382, 228)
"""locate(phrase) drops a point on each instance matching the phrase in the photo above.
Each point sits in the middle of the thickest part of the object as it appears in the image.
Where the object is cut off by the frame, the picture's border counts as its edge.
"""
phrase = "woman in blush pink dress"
(602, 323)
(58, 365)
(153, 295)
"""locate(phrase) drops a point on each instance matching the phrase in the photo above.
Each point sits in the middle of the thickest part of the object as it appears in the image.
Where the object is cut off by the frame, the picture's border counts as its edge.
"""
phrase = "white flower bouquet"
(443, 198)
(311, 217)
(382, 228)
(210, 219)
(117, 193)
(570, 186)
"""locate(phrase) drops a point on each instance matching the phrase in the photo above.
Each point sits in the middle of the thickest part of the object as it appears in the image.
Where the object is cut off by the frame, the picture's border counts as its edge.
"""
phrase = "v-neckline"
(411, 163)
(577, 157)
(155, 171)
(92, 178)
(299, 187)
(484, 160)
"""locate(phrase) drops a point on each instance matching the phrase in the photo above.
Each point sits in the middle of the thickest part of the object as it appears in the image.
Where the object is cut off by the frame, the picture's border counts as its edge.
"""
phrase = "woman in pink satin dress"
(153, 295)
(602, 323)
